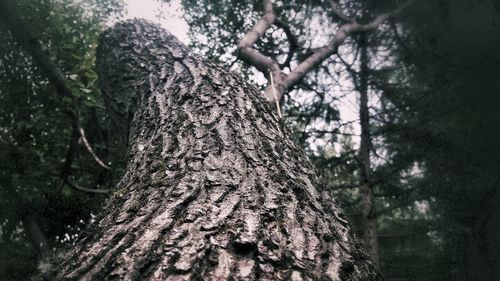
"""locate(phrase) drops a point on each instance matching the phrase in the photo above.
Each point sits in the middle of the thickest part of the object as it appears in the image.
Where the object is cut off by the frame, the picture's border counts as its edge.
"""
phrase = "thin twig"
(88, 190)
(90, 150)
(275, 96)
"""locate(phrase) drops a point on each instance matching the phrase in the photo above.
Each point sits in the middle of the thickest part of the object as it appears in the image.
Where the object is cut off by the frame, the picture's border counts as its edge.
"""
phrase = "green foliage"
(446, 119)
(35, 132)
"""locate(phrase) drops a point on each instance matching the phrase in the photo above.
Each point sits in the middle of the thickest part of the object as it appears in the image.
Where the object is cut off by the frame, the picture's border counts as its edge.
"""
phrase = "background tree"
(453, 104)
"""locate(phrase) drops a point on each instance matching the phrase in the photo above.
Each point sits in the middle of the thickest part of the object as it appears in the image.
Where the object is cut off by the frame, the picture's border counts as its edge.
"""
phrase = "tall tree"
(369, 221)
(446, 121)
(215, 188)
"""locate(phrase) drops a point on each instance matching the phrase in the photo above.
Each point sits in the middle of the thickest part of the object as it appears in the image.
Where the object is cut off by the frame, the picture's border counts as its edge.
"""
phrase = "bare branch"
(260, 27)
(90, 150)
(271, 68)
(341, 35)
(245, 50)
(318, 57)
(257, 59)
(87, 190)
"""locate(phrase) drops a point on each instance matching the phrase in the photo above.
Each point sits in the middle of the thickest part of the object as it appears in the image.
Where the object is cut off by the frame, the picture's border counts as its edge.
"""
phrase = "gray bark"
(215, 188)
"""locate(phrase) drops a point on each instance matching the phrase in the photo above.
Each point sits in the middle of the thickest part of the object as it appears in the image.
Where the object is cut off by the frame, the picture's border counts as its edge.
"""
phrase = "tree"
(447, 122)
(215, 188)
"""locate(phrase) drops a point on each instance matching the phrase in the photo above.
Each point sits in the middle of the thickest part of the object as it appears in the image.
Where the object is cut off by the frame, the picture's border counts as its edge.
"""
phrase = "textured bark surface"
(215, 188)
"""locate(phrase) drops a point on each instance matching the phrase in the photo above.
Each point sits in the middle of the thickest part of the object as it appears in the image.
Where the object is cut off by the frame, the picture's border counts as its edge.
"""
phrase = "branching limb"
(281, 81)
(346, 30)
(260, 27)
(245, 50)
(342, 34)
(256, 58)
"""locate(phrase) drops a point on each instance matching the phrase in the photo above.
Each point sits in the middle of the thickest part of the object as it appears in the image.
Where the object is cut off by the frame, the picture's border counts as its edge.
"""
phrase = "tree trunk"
(482, 258)
(215, 188)
(369, 220)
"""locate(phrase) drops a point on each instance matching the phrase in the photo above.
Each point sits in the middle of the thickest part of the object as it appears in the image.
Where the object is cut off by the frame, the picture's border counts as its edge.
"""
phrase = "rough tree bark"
(215, 188)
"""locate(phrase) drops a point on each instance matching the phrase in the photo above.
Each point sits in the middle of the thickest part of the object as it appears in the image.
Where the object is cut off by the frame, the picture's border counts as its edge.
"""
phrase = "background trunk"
(215, 188)
(369, 220)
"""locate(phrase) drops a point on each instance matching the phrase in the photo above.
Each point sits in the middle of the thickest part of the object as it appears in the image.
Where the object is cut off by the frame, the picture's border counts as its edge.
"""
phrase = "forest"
(288, 140)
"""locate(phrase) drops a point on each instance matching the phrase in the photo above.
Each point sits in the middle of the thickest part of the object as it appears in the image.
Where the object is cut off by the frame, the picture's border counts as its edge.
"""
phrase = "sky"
(171, 19)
